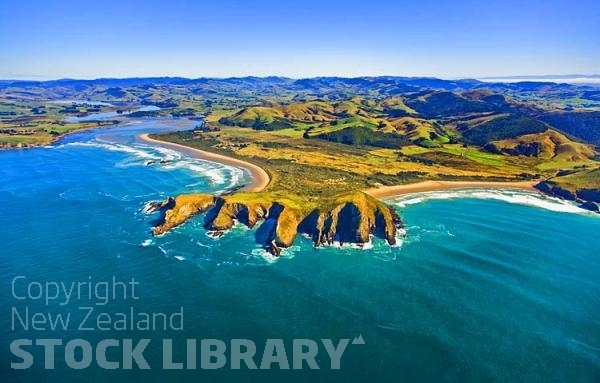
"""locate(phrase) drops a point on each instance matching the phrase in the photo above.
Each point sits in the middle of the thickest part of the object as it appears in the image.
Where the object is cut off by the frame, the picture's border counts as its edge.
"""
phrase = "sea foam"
(168, 159)
(510, 196)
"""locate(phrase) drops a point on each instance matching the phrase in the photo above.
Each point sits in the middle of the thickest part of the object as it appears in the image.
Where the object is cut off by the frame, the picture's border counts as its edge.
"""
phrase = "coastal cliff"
(351, 218)
(175, 211)
(580, 186)
(588, 199)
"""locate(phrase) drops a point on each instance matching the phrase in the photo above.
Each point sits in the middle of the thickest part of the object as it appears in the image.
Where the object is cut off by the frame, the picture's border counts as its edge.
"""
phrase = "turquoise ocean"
(488, 286)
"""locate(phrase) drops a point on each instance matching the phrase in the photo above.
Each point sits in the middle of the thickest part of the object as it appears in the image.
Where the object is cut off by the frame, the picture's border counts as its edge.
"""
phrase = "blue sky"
(461, 38)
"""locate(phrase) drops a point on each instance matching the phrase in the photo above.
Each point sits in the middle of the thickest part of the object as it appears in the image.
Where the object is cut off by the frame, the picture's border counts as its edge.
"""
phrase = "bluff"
(350, 218)
(575, 185)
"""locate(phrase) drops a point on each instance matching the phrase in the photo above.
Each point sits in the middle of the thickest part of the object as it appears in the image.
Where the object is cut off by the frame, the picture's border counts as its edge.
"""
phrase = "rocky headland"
(587, 198)
(350, 218)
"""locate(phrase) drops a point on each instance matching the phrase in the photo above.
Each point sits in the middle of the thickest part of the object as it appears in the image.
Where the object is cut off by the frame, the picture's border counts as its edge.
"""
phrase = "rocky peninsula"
(351, 218)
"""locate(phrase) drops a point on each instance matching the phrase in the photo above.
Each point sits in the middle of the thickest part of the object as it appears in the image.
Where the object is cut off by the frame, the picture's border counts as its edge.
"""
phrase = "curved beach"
(260, 178)
(428, 186)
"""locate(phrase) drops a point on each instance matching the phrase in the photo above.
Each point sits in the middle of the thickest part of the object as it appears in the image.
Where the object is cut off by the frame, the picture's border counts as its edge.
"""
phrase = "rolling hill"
(443, 104)
(583, 125)
(502, 128)
(550, 144)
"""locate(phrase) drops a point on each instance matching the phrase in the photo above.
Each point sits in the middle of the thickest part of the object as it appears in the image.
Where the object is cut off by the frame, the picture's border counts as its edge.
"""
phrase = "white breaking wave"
(169, 159)
(203, 245)
(265, 255)
(509, 196)
(146, 242)
(413, 201)
(351, 245)
(137, 152)
(148, 207)
(237, 175)
(168, 154)
(216, 174)
(286, 253)
(400, 237)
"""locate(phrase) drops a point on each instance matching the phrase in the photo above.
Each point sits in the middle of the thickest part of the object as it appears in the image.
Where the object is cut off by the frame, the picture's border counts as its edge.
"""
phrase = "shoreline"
(385, 192)
(260, 178)
(56, 139)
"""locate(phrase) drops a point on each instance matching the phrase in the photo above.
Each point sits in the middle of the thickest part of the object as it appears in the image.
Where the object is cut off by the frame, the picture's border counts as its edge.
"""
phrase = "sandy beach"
(260, 178)
(427, 186)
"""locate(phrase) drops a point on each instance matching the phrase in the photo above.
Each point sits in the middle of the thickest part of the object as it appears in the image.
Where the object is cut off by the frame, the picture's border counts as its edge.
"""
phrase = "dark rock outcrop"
(591, 206)
(588, 198)
(553, 189)
(589, 195)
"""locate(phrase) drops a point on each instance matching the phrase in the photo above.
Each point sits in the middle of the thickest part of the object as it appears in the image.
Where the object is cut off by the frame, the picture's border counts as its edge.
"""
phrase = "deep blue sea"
(488, 286)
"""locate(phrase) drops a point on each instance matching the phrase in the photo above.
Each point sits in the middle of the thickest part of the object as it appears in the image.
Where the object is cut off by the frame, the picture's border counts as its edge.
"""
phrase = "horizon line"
(32, 78)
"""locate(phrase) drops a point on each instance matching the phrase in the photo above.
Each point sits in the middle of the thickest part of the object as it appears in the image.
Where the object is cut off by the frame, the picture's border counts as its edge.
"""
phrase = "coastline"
(260, 178)
(53, 139)
(56, 139)
(429, 186)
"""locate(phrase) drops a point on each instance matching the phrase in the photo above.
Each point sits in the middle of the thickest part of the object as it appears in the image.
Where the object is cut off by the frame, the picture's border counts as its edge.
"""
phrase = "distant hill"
(502, 128)
(583, 125)
(383, 85)
(420, 131)
(281, 117)
(355, 135)
(395, 111)
(432, 119)
(547, 145)
(443, 104)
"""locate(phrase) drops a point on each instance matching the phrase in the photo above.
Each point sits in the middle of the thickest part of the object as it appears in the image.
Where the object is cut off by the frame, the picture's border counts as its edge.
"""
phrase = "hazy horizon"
(568, 78)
